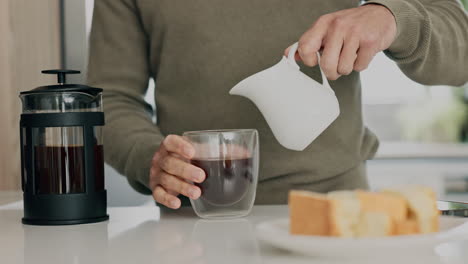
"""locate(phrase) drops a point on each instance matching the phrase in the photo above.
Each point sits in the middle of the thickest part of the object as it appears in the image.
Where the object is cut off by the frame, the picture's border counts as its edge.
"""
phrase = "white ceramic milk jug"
(296, 107)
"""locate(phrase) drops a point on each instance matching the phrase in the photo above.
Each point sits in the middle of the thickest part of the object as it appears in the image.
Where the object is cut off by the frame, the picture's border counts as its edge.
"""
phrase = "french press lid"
(62, 97)
(62, 86)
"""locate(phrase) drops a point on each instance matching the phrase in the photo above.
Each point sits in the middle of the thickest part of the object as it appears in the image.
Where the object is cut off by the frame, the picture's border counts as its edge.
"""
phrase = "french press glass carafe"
(62, 153)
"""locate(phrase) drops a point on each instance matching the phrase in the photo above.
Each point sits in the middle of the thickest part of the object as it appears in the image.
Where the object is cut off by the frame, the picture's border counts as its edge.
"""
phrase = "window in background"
(400, 110)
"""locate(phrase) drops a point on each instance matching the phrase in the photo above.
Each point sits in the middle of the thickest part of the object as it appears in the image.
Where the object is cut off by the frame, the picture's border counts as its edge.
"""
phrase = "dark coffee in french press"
(60, 169)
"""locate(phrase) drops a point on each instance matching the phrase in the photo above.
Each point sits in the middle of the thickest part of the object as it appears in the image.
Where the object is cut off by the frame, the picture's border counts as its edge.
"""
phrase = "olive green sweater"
(197, 50)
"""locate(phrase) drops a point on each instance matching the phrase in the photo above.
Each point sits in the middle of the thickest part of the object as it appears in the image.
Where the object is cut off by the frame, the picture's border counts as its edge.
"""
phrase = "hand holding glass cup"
(171, 173)
(230, 160)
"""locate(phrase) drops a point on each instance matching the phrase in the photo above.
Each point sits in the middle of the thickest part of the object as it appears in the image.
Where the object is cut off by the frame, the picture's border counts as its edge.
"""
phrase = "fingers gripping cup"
(230, 160)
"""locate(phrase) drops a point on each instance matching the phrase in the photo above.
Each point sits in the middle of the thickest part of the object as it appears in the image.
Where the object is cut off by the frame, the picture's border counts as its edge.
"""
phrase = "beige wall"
(29, 42)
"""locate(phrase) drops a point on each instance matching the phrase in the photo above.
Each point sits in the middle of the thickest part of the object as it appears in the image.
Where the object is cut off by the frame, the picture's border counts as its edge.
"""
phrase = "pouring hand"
(349, 38)
(171, 174)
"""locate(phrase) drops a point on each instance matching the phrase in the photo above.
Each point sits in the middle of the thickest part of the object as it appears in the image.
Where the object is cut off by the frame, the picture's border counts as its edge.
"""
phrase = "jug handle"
(292, 61)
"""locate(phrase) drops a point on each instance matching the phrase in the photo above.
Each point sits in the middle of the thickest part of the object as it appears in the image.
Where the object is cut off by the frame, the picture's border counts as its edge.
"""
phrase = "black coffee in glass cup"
(230, 160)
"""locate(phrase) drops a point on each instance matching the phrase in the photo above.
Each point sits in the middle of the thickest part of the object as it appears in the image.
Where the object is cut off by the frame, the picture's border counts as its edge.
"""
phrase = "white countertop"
(143, 235)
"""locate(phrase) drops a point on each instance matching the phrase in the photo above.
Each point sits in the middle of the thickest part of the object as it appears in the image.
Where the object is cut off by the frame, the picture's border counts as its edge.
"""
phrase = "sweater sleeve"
(118, 63)
(431, 46)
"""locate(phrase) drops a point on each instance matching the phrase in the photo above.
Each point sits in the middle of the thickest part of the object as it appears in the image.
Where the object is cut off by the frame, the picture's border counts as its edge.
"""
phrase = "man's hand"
(171, 174)
(349, 38)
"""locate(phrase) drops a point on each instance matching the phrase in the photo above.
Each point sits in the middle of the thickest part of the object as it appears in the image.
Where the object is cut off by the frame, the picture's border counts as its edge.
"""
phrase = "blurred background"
(423, 129)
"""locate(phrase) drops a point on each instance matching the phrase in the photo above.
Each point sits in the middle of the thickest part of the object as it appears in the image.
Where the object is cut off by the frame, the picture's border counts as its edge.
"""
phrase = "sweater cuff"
(139, 163)
(413, 29)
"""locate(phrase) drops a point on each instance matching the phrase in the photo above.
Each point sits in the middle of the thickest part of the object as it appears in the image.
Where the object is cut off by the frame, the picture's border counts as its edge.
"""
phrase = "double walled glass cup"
(230, 159)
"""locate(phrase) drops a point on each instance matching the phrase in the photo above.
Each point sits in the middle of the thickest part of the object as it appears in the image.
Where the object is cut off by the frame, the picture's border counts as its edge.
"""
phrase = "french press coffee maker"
(62, 154)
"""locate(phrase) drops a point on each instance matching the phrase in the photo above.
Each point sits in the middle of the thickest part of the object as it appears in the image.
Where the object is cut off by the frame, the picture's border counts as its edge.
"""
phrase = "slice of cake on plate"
(397, 211)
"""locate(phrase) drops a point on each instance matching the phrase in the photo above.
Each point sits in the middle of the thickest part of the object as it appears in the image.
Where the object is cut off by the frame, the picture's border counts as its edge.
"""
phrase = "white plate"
(276, 233)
